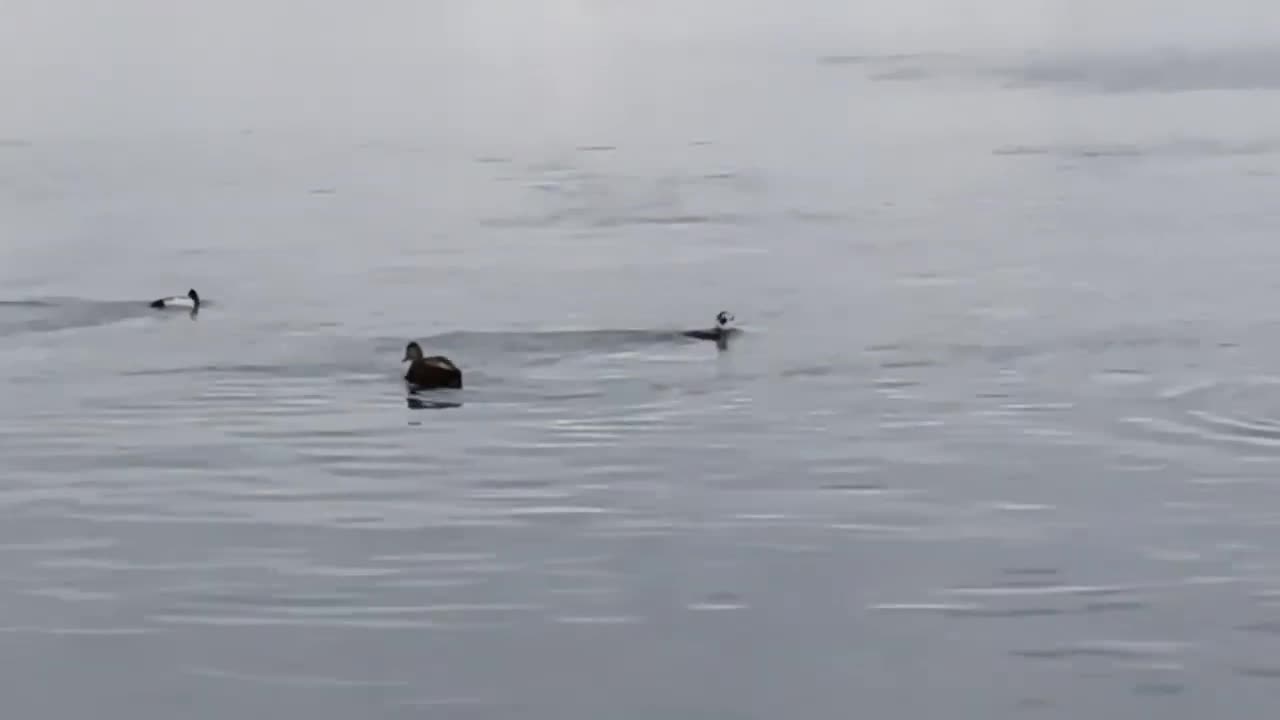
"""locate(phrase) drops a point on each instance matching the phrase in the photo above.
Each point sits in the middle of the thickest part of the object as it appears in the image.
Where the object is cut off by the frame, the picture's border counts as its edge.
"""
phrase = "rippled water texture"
(999, 438)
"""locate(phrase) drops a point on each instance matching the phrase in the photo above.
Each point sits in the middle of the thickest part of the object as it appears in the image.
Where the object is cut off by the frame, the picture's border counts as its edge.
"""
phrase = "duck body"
(719, 334)
(190, 301)
(716, 334)
(432, 372)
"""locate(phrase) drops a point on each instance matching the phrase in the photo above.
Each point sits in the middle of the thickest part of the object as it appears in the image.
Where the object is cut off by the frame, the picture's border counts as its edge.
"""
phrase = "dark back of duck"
(431, 375)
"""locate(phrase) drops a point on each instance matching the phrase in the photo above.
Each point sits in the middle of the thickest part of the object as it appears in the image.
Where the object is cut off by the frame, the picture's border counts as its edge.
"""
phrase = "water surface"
(999, 440)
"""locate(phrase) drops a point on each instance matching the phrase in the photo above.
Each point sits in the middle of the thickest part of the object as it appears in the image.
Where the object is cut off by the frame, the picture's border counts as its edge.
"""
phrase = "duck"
(719, 333)
(436, 371)
(190, 301)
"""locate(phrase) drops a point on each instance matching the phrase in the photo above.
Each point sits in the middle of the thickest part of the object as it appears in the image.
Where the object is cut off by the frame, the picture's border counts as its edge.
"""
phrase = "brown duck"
(436, 371)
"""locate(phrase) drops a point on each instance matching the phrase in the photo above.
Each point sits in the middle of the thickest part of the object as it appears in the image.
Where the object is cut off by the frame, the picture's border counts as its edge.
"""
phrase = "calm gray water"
(1000, 439)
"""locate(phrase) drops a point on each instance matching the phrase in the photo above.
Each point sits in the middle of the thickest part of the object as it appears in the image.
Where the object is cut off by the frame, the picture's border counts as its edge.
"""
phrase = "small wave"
(613, 221)
(25, 303)
(1258, 672)
(293, 680)
(545, 341)
(1216, 412)
(1073, 151)
(1256, 428)
(18, 317)
(879, 59)
(1135, 71)
(1189, 147)
(1107, 650)
(672, 219)
(1160, 71)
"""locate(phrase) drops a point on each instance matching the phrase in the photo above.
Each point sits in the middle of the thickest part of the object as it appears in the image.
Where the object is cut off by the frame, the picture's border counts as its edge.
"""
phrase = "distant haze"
(86, 68)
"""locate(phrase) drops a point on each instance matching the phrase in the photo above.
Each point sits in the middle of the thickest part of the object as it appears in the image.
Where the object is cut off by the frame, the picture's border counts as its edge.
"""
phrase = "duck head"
(412, 352)
(724, 319)
(195, 296)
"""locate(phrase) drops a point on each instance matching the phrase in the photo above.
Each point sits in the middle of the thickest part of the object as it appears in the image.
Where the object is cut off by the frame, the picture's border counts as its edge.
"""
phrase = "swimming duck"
(720, 333)
(190, 301)
(436, 371)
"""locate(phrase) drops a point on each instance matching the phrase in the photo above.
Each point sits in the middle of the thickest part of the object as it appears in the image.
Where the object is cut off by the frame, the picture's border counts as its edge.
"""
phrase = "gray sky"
(80, 65)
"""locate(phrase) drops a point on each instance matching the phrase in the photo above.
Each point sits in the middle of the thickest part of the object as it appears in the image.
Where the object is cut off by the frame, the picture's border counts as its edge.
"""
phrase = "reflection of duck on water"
(436, 371)
(417, 403)
(720, 334)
